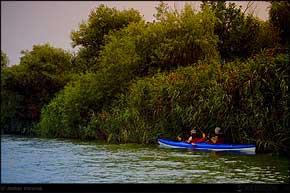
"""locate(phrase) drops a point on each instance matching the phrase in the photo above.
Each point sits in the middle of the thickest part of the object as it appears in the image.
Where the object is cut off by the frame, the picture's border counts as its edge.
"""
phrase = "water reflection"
(33, 160)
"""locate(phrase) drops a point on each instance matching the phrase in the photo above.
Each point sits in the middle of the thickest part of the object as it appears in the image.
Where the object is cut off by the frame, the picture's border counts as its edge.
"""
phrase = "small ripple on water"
(214, 173)
(230, 161)
(238, 170)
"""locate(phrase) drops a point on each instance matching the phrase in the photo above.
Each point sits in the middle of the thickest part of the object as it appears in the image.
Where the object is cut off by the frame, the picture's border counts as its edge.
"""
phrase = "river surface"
(36, 160)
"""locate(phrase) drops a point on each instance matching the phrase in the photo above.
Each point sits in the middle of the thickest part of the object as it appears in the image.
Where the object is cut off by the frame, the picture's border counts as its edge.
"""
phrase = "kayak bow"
(204, 146)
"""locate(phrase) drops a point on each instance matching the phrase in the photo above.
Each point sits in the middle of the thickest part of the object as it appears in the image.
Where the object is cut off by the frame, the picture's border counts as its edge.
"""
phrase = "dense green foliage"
(248, 100)
(280, 17)
(132, 81)
(90, 35)
(129, 54)
(239, 35)
(4, 60)
(180, 39)
(26, 87)
(69, 113)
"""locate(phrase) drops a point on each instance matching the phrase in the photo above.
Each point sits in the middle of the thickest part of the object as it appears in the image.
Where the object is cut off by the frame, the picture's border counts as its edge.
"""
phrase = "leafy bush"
(240, 35)
(69, 113)
(164, 104)
(41, 73)
(180, 39)
(279, 13)
(4, 60)
(91, 33)
(127, 55)
(245, 98)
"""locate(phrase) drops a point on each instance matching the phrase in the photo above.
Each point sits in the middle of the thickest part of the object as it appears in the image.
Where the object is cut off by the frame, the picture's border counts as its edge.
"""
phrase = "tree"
(90, 35)
(41, 73)
(280, 17)
(137, 50)
(4, 60)
(237, 32)
(268, 36)
(181, 38)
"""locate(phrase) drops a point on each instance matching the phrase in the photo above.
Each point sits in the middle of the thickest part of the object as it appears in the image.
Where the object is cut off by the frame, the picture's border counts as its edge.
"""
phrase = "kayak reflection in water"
(217, 138)
(195, 137)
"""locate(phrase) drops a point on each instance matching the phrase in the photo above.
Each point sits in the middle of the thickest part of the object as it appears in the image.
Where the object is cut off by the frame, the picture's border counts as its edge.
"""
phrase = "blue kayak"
(205, 146)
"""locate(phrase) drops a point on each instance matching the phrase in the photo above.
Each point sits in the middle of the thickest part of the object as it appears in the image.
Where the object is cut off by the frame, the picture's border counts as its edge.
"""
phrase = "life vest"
(198, 138)
(217, 139)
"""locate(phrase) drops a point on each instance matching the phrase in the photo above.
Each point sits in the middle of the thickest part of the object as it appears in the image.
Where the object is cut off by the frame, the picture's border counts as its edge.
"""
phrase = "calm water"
(34, 160)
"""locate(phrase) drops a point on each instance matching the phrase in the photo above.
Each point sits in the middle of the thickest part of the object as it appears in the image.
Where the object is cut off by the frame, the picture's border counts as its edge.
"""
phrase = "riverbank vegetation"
(132, 81)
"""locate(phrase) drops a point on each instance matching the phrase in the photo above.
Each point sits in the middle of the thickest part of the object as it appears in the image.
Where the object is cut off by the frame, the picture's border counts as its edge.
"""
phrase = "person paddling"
(218, 137)
(195, 137)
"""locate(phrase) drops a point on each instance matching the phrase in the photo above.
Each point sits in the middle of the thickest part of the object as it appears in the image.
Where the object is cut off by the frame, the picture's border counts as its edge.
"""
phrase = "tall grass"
(247, 99)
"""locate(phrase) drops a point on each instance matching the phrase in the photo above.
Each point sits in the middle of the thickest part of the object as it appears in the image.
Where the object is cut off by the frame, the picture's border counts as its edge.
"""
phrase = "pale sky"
(26, 23)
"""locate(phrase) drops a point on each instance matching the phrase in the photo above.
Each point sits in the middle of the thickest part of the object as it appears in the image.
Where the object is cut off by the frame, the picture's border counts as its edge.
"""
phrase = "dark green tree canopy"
(101, 21)
(280, 17)
(237, 32)
(4, 60)
(42, 72)
(47, 58)
(90, 35)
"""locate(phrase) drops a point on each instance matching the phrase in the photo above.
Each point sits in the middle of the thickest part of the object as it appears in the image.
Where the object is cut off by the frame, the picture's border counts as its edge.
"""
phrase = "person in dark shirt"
(218, 137)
